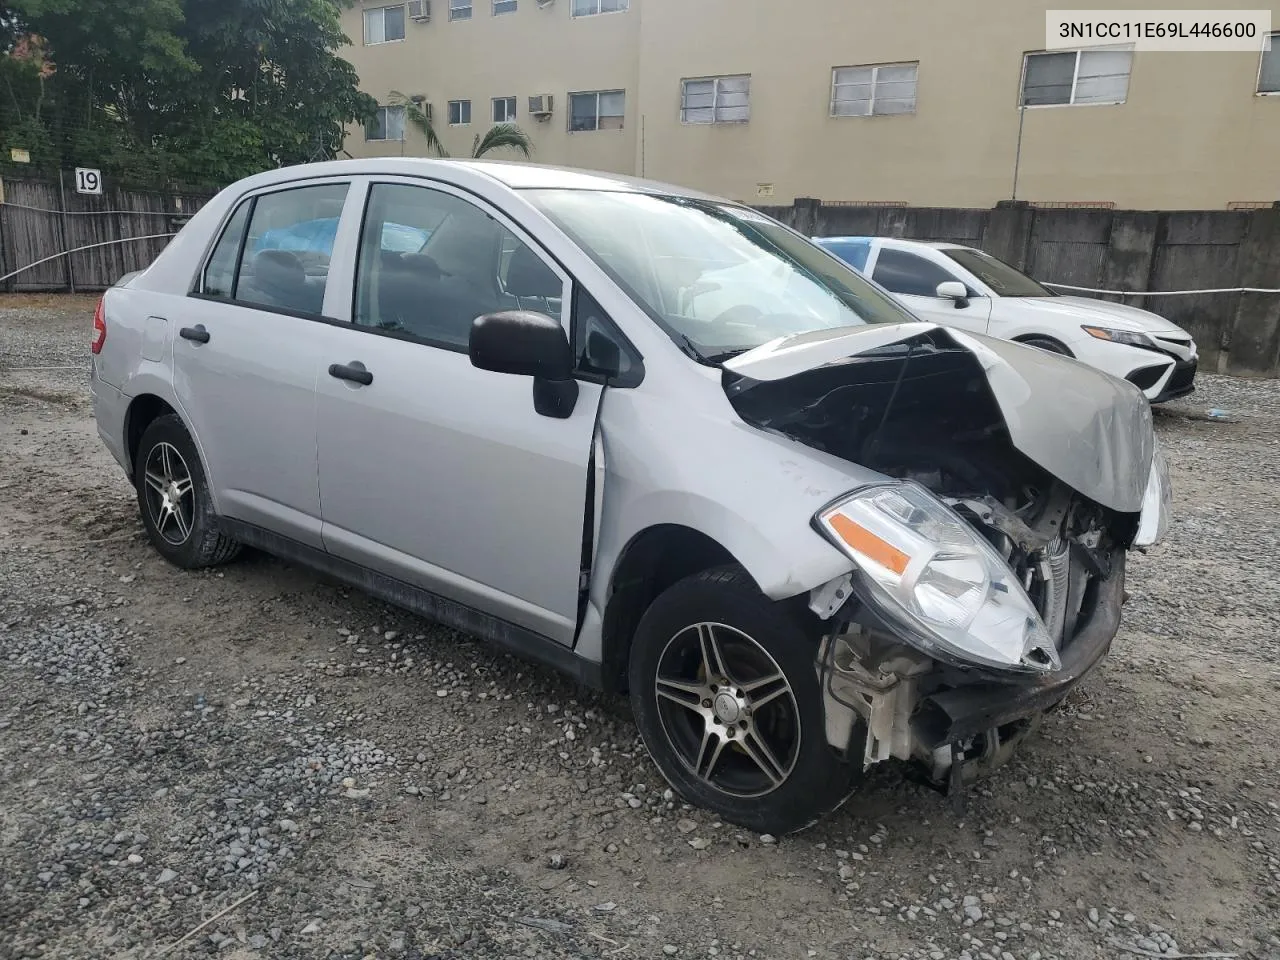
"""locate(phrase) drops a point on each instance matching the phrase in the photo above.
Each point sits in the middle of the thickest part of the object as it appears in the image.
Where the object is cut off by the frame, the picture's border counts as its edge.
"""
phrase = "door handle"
(353, 371)
(197, 333)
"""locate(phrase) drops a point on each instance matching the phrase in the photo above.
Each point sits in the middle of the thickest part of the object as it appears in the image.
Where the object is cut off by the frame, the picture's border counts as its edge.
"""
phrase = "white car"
(964, 287)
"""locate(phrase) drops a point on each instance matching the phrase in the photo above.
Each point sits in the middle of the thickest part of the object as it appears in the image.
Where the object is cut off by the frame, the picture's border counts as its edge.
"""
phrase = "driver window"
(905, 273)
(431, 262)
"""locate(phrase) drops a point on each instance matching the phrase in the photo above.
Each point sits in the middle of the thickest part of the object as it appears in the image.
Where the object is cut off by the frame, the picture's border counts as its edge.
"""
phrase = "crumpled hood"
(1089, 429)
(1084, 310)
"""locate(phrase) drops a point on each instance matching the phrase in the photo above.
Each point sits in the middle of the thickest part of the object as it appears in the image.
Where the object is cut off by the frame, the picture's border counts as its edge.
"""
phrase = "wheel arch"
(1030, 338)
(144, 409)
(653, 560)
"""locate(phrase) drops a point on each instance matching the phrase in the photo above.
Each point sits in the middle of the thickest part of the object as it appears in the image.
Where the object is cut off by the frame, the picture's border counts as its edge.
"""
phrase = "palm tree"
(502, 135)
(498, 137)
(414, 114)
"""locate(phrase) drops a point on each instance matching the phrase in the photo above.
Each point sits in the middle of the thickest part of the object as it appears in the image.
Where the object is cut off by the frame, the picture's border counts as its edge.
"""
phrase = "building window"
(589, 8)
(598, 110)
(1269, 69)
(716, 100)
(503, 6)
(459, 112)
(1076, 76)
(459, 9)
(387, 124)
(384, 24)
(882, 90)
(504, 109)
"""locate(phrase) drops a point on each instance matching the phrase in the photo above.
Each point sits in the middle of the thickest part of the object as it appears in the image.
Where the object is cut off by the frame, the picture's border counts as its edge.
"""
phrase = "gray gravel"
(171, 743)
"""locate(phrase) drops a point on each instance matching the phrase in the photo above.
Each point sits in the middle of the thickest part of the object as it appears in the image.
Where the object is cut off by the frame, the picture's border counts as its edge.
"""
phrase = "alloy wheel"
(727, 710)
(170, 493)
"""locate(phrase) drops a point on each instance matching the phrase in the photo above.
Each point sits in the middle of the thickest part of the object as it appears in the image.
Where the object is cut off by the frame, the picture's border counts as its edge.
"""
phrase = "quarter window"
(503, 6)
(459, 9)
(1269, 69)
(905, 273)
(504, 109)
(716, 100)
(220, 274)
(384, 24)
(881, 90)
(459, 112)
(1076, 76)
(587, 8)
(467, 265)
(597, 110)
(282, 259)
(387, 123)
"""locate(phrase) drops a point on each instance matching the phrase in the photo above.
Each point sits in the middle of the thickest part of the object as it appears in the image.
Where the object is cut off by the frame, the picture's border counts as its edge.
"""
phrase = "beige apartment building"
(923, 102)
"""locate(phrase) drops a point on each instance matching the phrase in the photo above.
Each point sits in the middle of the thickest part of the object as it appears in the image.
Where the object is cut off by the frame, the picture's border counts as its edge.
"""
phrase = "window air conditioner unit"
(420, 10)
(543, 4)
(540, 106)
(419, 101)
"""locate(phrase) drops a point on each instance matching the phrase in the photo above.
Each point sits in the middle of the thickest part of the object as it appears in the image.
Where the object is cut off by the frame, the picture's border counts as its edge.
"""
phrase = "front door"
(431, 470)
(914, 280)
(245, 355)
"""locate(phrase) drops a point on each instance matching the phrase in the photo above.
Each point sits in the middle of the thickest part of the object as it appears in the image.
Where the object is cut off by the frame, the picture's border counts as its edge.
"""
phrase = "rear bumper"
(109, 407)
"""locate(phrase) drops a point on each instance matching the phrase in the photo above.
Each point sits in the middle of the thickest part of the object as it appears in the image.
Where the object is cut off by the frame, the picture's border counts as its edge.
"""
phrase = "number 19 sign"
(89, 180)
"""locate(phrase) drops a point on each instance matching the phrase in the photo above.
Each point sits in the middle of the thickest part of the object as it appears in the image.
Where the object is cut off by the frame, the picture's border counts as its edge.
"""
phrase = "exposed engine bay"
(922, 410)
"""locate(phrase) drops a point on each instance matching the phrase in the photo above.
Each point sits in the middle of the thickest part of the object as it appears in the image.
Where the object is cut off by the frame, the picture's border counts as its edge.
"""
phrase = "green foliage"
(415, 115)
(502, 136)
(192, 91)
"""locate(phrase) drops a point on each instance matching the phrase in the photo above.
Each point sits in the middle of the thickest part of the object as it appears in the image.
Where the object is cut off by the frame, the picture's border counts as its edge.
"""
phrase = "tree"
(500, 136)
(188, 90)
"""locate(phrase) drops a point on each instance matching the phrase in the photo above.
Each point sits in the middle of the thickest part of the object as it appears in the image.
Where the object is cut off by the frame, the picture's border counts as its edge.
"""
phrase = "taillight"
(99, 327)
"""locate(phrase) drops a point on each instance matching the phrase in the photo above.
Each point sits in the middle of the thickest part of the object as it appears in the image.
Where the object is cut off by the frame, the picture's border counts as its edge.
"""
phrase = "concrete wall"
(1113, 250)
(1192, 133)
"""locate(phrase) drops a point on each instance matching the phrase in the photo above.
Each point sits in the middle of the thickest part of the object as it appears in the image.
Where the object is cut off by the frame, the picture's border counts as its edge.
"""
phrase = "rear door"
(246, 354)
(914, 279)
(431, 470)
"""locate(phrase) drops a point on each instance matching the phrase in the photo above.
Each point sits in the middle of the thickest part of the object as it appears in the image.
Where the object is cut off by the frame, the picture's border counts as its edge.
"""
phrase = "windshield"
(996, 274)
(719, 279)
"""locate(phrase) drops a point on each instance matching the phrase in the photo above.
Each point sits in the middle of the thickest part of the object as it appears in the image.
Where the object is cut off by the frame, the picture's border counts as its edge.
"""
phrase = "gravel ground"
(173, 743)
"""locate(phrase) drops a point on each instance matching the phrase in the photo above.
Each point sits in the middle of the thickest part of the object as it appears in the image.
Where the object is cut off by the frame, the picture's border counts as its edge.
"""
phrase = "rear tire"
(173, 497)
(729, 706)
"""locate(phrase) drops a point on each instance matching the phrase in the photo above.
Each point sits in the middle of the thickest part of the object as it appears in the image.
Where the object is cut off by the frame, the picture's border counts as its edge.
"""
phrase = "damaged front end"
(989, 560)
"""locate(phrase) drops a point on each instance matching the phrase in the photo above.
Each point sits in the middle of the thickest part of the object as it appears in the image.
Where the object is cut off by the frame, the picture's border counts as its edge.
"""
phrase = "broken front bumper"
(906, 706)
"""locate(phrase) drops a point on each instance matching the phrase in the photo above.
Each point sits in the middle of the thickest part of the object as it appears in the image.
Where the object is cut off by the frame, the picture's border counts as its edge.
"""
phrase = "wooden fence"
(42, 218)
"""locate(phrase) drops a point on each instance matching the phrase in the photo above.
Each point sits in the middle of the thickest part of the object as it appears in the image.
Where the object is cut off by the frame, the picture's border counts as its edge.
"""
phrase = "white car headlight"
(1131, 337)
(1157, 502)
(934, 574)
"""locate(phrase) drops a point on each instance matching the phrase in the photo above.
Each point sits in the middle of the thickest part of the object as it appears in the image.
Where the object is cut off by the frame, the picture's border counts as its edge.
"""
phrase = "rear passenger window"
(286, 250)
(905, 273)
(431, 262)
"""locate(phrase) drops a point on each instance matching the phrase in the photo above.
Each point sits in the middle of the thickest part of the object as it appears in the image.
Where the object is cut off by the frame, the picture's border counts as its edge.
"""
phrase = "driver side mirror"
(528, 344)
(954, 290)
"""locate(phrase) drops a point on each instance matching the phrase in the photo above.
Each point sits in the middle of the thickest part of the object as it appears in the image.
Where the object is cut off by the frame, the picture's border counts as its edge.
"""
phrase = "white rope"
(90, 246)
(96, 213)
(1157, 293)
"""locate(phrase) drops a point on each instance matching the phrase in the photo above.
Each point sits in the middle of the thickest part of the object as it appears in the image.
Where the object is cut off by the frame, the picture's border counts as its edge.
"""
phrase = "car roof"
(512, 174)
(903, 243)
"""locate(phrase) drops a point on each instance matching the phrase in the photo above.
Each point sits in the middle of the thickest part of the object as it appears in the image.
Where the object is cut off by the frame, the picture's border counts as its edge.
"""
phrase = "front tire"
(1048, 344)
(173, 496)
(728, 703)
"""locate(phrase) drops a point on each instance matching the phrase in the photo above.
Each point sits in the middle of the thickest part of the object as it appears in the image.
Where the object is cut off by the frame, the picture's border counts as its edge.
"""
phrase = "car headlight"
(1130, 337)
(1157, 502)
(931, 572)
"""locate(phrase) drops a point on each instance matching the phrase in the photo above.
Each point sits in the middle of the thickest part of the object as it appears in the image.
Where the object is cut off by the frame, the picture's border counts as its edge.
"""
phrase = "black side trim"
(514, 639)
